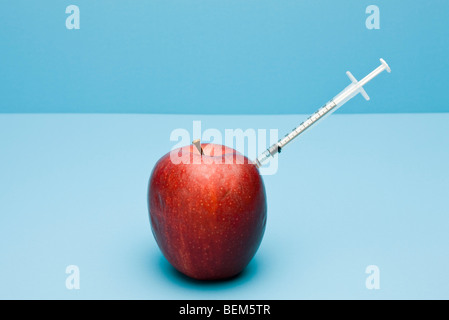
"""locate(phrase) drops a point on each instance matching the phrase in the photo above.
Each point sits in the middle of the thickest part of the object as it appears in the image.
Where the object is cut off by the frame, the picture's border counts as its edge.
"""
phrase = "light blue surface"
(362, 190)
(219, 57)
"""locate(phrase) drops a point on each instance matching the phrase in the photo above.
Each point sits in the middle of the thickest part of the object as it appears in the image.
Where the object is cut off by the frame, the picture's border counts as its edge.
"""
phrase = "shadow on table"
(177, 277)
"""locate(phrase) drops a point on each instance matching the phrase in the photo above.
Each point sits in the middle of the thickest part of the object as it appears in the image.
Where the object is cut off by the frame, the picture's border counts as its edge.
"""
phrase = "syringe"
(347, 94)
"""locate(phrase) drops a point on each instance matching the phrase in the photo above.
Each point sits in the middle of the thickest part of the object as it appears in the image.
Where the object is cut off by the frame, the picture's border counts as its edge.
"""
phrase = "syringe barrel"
(330, 107)
(320, 114)
(347, 94)
(314, 118)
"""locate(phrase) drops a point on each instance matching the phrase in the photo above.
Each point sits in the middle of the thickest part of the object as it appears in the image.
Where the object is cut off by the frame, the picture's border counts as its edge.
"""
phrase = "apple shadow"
(177, 277)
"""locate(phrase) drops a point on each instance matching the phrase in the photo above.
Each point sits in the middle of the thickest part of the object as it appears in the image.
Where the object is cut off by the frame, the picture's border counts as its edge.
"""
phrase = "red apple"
(208, 216)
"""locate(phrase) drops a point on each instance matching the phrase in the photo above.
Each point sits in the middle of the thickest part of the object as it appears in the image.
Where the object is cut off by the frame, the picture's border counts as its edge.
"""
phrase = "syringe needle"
(347, 94)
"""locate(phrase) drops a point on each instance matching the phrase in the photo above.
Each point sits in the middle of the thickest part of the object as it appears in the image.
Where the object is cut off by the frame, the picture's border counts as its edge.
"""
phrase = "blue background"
(219, 57)
(362, 189)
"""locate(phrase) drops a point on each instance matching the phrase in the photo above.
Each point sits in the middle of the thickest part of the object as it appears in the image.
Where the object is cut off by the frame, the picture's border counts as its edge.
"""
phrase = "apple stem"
(197, 144)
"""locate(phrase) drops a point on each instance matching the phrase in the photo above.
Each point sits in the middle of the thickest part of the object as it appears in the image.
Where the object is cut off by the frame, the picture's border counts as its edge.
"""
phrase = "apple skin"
(208, 218)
